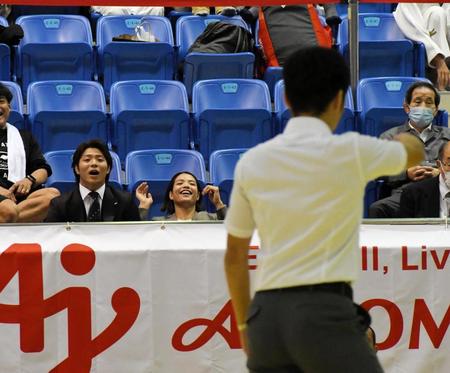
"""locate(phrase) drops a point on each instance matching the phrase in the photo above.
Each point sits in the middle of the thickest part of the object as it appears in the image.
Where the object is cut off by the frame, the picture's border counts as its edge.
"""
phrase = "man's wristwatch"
(31, 178)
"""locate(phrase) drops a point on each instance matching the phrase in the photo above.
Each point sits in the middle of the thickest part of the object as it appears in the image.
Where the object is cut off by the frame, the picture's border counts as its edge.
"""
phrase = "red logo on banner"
(212, 327)
(33, 308)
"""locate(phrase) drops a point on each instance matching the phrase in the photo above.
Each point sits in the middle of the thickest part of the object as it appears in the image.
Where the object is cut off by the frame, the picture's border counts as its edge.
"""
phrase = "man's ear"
(286, 101)
(77, 170)
(406, 107)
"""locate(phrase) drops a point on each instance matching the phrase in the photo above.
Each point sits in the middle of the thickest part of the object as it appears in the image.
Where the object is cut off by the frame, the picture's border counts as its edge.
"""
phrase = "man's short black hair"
(442, 150)
(412, 87)
(6, 93)
(97, 144)
(313, 77)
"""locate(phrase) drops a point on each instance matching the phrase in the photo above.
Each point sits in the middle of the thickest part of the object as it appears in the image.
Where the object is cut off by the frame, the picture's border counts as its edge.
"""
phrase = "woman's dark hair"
(96, 144)
(168, 205)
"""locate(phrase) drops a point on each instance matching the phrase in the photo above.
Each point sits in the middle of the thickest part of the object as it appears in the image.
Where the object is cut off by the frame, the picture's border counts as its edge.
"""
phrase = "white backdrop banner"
(152, 298)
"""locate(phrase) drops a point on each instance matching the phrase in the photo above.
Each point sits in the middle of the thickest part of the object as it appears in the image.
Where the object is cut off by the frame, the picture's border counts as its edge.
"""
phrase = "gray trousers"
(307, 332)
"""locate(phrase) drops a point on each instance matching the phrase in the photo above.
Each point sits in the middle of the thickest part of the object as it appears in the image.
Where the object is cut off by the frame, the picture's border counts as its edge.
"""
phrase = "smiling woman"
(182, 200)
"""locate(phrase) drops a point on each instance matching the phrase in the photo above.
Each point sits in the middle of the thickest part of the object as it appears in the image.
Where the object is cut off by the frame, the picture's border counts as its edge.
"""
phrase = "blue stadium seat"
(366, 8)
(149, 114)
(283, 114)
(383, 48)
(221, 165)
(16, 115)
(63, 178)
(5, 56)
(201, 66)
(231, 113)
(124, 60)
(65, 113)
(379, 104)
(55, 47)
(271, 76)
(157, 168)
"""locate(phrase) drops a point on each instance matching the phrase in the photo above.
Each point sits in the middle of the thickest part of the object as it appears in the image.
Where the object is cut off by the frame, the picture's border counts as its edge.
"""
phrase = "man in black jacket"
(23, 168)
(429, 198)
(92, 199)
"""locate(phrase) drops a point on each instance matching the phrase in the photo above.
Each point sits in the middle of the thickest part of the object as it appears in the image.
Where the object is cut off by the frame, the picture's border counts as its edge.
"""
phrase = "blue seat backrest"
(63, 177)
(366, 8)
(379, 103)
(111, 26)
(283, 114)
(221, 167)
(190, 27)
(148, 95)
(157, 168)
(55, 28)
(64, 113)
(16, 117)
(149, 114)
(232, 94)
(65, 95)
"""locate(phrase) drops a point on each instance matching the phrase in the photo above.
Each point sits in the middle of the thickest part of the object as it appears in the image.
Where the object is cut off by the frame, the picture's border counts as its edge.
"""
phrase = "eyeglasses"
(445, 164)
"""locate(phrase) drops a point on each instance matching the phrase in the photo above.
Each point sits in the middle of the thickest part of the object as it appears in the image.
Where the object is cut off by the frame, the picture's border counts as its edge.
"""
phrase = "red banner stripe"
(190, 2)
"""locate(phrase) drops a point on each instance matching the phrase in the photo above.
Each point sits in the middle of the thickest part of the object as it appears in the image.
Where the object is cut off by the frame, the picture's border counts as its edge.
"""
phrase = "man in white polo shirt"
(303, 192)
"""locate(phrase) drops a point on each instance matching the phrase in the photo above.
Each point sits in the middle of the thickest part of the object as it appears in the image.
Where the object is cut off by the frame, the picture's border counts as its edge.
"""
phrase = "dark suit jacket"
(421, 199)
(117, 205)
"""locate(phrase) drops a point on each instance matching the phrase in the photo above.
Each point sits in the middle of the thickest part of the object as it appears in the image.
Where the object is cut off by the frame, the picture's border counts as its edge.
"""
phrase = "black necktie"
(94, 210)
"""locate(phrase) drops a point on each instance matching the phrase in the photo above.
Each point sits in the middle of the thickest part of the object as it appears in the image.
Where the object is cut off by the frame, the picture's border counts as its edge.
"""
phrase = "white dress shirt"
(88, 200)
(303, 190)
(443, 190)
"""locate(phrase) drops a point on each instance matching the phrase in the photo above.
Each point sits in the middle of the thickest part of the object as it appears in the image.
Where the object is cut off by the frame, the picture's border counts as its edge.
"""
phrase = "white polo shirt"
(303, 190)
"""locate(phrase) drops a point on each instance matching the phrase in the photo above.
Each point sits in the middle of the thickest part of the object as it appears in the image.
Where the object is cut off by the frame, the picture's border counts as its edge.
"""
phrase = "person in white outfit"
(130, 10)
(429, 24)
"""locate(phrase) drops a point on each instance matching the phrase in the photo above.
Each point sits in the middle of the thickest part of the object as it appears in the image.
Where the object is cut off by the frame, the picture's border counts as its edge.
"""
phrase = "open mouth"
(186, 192)
(94, 172)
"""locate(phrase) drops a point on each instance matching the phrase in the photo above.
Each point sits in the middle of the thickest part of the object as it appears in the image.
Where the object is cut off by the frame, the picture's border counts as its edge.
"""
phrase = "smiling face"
(5, 108)
(92, 169)
(184, 192)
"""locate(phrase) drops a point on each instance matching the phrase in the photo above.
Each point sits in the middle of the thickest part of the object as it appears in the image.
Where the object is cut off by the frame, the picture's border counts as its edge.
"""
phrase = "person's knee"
(9, 212)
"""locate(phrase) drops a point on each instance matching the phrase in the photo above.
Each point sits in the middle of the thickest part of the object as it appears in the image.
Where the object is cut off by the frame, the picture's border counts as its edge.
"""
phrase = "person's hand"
(213, 194)
(418, 173)
(21, 187)
(8, 194)
(244, 340)
(442, 72)
(144, 196)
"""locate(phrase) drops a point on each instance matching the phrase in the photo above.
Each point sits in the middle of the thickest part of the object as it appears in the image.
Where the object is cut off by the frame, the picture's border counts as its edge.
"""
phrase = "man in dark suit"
(421, 104)
(427, 198)
(92, 199)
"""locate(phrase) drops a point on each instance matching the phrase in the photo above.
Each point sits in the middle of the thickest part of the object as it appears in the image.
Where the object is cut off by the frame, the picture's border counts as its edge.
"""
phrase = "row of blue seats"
(226, 113)
(155, 167)
(61, 47)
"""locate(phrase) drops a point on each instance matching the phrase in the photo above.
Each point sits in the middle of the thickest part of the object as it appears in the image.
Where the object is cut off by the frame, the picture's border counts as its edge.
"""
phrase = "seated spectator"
(429, 198)
(228, 11)
(23, 168)
(182, 200)
(8, 210)
(428, 24)
(92, 199)
(128, 11)
(421, 104)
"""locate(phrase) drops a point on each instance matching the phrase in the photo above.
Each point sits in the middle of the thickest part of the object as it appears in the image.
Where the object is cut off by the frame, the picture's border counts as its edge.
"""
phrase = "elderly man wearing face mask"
(421, 104)
(429, 198)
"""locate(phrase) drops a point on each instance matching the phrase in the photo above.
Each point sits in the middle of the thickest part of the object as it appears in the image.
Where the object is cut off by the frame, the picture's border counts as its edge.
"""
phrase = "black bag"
(221, 37)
